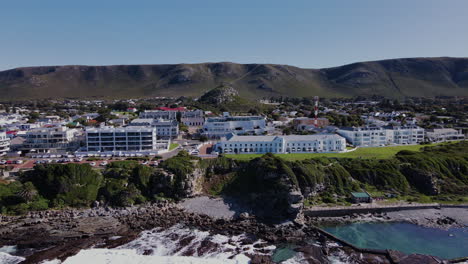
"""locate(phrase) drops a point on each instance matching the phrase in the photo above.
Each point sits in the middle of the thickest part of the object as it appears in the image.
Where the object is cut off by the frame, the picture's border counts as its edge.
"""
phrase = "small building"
(307, 123)
(361, 197)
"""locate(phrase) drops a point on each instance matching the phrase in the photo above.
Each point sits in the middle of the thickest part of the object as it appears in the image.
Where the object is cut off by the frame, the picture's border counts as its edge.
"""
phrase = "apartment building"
(193, 118)
(373, 136)
(51, 140)
(444, 134)
(4, 144)
(281, 144)
(410, 134)
(126, 139)
(216, 127)
(165, 129)
(159, 114)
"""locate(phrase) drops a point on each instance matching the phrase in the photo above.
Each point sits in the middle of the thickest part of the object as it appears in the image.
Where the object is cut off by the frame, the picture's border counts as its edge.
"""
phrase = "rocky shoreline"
(60, 234)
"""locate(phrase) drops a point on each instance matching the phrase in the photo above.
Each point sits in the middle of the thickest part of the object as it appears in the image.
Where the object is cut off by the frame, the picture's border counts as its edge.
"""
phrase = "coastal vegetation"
(436, 173)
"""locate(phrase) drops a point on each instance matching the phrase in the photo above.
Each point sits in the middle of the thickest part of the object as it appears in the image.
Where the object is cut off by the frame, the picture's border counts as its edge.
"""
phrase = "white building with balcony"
(4, 144)
(217, 127)
(234, 144)
(373, 136)
(51, 140)
(444, 134)
(133, 139)
(165, 129)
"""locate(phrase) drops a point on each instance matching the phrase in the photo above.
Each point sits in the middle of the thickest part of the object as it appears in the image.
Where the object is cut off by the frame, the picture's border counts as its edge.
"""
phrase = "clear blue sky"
(304, 33)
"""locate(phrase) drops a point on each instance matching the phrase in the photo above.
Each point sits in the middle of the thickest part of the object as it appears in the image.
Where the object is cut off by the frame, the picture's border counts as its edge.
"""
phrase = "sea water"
(405, 237)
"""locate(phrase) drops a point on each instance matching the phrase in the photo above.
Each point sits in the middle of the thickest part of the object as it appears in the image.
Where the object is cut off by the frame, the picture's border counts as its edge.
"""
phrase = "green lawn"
(173, 146)
(364, 153)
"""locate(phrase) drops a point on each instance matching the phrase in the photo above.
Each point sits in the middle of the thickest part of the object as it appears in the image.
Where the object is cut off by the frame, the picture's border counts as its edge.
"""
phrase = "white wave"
(6, 258)
(124, 256)
(175, 245)
(181, 241)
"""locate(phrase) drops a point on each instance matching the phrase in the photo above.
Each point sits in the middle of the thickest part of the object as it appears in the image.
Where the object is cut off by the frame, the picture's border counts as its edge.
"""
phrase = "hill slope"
(397, 77)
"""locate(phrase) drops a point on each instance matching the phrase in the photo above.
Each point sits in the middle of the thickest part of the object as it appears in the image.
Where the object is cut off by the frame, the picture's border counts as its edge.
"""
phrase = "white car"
(92, 163)
(3, 162)
(19, 162)
(104, 163)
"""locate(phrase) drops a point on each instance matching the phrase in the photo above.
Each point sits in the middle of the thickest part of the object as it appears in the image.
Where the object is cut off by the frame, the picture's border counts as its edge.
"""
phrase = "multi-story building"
(216, 127)
(193, 118)
(165, 129)
(159, 114)
(373, 136)
(444, 134)
(4, 144)
(281, 144)
(410, 134)
(125, 139)
(51, 140)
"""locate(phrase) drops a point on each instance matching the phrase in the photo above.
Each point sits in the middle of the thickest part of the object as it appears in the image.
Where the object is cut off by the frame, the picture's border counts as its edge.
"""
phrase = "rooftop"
(360, 194)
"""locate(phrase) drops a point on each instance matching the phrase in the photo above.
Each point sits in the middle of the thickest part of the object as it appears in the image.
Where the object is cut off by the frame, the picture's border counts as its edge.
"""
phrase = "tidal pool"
(405, 237)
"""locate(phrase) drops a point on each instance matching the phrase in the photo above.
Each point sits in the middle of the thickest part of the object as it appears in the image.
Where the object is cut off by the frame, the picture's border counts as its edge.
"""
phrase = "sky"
(304, 33)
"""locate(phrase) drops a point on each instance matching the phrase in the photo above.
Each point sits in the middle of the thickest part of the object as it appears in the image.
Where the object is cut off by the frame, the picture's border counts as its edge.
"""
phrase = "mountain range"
(391, 78)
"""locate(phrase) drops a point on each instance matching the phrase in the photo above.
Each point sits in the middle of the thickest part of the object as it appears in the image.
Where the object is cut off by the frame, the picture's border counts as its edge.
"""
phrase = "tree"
(28, 192)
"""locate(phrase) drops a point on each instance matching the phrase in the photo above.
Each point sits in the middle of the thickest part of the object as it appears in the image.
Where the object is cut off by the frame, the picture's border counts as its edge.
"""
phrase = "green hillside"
(393, 78)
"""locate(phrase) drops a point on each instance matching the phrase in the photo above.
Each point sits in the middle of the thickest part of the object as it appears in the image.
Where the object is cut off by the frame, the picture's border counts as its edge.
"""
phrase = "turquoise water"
(283, 252)
(405, 237)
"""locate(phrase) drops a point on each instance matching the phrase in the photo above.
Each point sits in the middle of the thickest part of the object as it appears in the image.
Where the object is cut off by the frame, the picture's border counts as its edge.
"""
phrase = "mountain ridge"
(391, 78)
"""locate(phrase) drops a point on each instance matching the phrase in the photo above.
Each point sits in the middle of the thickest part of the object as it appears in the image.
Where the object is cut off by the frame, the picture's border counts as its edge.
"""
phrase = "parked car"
(104, 163)
(18, 161)
(92, 163)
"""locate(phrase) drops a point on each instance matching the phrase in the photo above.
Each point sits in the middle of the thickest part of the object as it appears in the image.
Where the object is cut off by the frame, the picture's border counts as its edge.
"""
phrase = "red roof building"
(177, 109)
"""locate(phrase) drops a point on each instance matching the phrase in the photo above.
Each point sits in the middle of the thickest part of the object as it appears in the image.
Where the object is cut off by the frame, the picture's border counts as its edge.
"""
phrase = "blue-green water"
(405, 237)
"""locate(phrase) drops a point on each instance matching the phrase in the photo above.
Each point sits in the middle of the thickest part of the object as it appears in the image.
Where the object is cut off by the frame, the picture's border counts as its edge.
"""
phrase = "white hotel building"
(4, 144)
(217, 127)
(281, 144)
(371, 136)
(127, 139)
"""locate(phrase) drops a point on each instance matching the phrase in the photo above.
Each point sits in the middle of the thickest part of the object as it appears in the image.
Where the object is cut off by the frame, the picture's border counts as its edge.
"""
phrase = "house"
(306, 123)
(361, 197)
